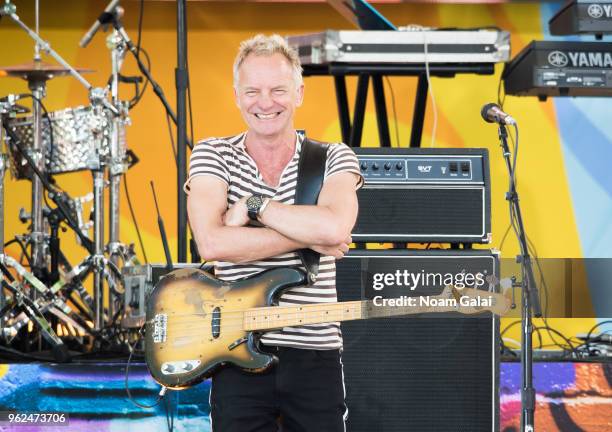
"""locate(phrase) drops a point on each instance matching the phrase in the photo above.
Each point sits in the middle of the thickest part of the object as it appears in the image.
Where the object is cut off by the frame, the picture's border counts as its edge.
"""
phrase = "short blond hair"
(262, 45)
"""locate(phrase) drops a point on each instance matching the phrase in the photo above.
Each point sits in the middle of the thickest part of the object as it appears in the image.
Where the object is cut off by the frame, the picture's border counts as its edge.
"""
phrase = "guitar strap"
(311, 172)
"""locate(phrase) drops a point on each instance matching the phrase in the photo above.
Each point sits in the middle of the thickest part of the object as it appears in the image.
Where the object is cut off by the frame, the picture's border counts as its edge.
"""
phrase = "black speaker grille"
(416, 374)
(419, 212)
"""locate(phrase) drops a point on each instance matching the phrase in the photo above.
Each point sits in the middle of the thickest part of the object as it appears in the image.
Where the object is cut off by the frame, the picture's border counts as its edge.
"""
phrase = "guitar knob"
(168, 368)
(187, 367)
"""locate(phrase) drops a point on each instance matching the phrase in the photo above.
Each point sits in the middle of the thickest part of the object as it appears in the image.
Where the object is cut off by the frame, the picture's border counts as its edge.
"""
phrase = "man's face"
(267, 94)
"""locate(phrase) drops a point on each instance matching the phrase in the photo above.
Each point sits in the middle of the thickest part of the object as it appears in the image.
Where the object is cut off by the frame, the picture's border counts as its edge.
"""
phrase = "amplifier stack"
(400, 372)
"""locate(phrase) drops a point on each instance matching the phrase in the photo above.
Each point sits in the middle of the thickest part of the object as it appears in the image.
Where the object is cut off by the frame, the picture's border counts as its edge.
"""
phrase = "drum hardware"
(8, 105)
(84, 225)
(59, 198)
(41, 73)
(118, 159)
(36, 74)
(100, 106)
(68, 141)
(3, 167)
(82, 138)
(37, 234)
(31, 309)
(41, 306)
(63, 212)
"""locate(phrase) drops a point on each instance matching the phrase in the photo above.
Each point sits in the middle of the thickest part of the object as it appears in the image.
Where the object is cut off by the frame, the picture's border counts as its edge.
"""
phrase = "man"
(258, 169)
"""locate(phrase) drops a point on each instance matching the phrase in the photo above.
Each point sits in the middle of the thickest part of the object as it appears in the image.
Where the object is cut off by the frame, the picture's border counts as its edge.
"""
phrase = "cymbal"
(37, 71)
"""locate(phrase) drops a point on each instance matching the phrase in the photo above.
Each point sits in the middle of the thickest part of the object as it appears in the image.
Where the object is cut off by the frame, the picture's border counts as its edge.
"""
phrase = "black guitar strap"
(311, 172)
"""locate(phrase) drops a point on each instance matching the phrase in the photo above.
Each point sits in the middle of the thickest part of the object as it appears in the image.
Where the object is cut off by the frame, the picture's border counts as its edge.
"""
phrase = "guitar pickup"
(216, 322)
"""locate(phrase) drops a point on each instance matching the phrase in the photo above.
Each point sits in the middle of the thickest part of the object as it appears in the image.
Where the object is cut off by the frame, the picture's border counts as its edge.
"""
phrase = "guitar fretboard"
(267, 318)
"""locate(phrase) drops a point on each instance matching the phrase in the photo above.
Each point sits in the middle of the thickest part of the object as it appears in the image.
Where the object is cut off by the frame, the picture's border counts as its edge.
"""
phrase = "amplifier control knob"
(388, 166)
(375, 166)
(364, 166)
(399, 166)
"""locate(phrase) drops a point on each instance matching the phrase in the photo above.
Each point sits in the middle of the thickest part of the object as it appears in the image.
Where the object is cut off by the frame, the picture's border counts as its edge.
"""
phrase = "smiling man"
(241, 209)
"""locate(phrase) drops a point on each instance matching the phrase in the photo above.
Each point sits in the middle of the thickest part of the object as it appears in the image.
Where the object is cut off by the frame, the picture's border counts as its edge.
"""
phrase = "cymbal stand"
(37, 235)
(37, 84)
(118, 160)
(97, 254)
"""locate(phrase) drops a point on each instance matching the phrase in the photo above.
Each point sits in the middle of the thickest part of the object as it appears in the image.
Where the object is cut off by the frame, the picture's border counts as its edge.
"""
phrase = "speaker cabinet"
(419, 373)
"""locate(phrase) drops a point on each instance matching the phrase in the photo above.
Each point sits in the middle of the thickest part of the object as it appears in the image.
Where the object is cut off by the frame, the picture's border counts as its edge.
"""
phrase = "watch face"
(253, 205)
(254, 202)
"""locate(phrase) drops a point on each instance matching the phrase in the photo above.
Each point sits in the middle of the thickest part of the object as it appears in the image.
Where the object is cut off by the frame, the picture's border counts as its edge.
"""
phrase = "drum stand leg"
(37, 236)
(117, 166)
(98, 256)
(32, 309)
(113, 223)
(3, 166)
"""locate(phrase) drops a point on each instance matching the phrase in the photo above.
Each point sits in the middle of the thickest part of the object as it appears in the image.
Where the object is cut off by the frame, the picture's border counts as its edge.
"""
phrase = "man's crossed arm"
(222, 234)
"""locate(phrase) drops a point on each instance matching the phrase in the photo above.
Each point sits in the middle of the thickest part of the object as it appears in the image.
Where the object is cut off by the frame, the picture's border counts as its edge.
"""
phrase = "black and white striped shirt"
(228, 160)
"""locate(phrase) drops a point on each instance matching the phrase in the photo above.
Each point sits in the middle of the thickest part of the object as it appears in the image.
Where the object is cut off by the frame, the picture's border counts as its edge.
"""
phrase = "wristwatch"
(255, 205)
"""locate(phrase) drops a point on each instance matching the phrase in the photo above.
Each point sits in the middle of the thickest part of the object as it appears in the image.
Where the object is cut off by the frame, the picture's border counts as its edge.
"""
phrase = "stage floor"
(570, 397)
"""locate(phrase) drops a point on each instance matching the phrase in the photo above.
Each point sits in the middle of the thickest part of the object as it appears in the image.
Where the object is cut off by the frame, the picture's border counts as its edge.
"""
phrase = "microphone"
(96, 25)
(492, 113)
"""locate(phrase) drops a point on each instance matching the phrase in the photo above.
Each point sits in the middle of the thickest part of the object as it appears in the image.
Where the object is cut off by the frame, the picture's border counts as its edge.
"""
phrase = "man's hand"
(337, 251)
(237, 215)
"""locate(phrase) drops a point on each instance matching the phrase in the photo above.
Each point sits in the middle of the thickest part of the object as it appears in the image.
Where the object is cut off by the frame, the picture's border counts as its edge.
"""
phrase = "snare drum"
(81, 141)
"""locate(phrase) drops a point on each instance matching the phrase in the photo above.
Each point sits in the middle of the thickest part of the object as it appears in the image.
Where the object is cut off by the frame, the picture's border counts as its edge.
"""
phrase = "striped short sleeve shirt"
(228, 160)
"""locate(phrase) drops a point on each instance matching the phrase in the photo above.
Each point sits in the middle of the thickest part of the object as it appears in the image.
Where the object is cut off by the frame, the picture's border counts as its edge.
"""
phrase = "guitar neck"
(267, 318)
(467, 301)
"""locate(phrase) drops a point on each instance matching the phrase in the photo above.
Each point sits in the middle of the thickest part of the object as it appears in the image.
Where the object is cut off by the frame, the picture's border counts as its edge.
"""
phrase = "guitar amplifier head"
(424, 195)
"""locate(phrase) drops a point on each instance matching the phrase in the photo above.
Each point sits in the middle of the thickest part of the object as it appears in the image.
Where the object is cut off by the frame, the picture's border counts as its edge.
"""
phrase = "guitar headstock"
(473, 301)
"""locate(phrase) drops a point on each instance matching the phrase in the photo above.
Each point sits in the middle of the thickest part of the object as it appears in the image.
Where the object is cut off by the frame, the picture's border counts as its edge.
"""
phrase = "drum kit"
(46, 295)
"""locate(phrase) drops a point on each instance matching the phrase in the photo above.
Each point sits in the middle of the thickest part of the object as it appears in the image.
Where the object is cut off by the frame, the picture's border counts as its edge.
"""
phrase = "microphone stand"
(530, 297)
(182, 83)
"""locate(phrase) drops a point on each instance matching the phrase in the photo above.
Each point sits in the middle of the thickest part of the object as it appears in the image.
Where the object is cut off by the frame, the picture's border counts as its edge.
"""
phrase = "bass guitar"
(196, 323)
